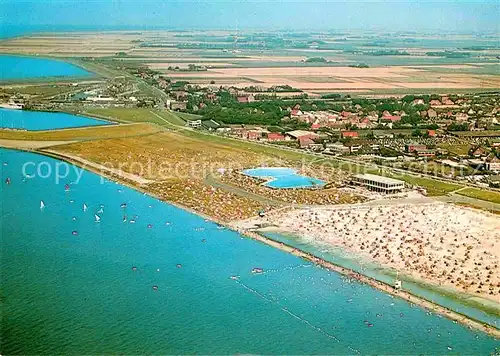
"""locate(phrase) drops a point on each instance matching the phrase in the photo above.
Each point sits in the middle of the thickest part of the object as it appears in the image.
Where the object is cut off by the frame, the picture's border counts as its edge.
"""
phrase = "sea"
(39, 120)
(24, 67)
(153, 278)
(89, 266)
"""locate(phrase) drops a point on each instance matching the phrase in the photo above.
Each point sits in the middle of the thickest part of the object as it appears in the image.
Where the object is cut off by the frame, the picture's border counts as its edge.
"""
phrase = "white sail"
(85, 207)
(42, 204)
(97, 218)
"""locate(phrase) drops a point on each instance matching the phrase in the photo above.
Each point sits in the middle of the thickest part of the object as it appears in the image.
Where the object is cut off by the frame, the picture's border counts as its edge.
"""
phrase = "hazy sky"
(449, 15)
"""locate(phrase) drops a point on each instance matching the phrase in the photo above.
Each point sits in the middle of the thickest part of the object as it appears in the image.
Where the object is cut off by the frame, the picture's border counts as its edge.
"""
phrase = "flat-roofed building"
(379, 183)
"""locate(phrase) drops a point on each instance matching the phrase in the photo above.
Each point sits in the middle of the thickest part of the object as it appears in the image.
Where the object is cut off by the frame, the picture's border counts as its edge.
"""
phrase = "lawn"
(456, 149)
(136, 115)
(486, 195)
(82, 134)
(434, 187)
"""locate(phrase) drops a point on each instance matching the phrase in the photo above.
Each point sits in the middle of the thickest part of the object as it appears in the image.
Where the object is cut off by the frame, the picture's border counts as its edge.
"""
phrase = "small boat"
(155, 288)
(73, 218)
(85, 207)
(123, 206)
(150, 226)
(42, 204)
(235, 277)
(203, 240)
(257, 270)
(124, 219)
(66, 187)
(74, 233)
(100, 211)
(7, 181)
(178, 265)
(134, 268)
(71, 201)
(132, 221)
(97, 218)
(167, 223)
(370, 325)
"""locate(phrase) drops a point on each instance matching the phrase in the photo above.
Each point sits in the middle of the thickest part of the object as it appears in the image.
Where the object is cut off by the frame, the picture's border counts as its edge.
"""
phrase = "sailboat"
(42, 204)
(66, 187)
(97, 218)
(85, 207)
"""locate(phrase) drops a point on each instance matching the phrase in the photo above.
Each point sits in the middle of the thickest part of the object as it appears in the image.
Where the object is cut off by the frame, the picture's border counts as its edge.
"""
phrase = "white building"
(379, 183)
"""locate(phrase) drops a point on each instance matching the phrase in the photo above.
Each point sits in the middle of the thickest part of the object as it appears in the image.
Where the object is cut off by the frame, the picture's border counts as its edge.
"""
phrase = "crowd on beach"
(440, 243)
(210, 201)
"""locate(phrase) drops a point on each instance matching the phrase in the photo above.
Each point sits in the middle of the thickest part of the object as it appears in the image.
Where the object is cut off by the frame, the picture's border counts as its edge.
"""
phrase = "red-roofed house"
(391, 118)
(275, 136)
(315, 126)
(305, 142)
(245, 99)
(254, 135)
(351, 134)
(431, 133)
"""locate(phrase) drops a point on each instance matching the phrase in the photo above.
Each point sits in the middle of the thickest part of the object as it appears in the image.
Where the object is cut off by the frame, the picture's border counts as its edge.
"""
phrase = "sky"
(408, 15)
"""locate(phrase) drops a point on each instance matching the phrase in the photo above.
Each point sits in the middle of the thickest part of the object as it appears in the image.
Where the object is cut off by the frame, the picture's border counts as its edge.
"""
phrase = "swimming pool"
(283, 178)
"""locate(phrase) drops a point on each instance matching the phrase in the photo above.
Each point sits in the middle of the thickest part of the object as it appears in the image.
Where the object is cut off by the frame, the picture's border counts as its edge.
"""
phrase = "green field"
(434, 187)
(456, 149)
(487, 195)
(129, 115)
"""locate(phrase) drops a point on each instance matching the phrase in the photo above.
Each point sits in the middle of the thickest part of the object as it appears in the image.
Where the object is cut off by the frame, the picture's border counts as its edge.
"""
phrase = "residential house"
(412, 147)
(296, 113)
(275, 136)
(297, 134)
(432, 114)
(178, 105)
(245, 99)
(493, 163)
(305, 141)
(478, 152)
(349, 134)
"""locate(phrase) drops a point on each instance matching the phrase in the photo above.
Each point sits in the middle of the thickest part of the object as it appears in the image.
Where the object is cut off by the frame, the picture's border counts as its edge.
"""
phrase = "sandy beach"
(440, 243)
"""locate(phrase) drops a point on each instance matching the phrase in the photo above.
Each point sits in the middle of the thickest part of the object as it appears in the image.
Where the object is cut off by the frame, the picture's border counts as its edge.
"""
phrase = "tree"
(416, 133)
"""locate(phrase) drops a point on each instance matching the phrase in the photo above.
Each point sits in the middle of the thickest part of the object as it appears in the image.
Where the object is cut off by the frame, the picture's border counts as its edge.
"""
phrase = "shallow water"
(283, 177)
(75, 294)
(344, 259)
(21, 67)
(40, 120)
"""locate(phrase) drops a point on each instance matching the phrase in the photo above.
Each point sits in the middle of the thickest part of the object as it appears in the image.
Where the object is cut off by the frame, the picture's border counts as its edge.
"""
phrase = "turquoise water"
(39, 120)
(19, 67)
(283, 178)
(78, 294)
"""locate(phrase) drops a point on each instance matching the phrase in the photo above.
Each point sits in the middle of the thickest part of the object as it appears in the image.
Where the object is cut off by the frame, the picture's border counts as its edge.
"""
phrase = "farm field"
(315, 63)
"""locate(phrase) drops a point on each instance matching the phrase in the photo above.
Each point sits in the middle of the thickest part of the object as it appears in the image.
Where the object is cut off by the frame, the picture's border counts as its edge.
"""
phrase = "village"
(454, 136)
